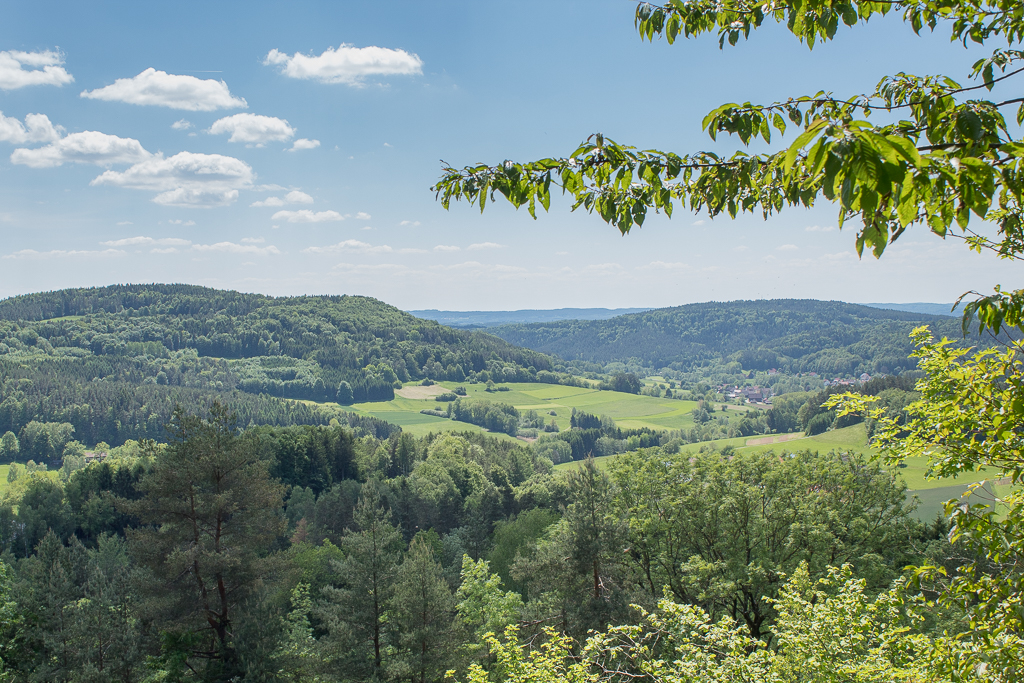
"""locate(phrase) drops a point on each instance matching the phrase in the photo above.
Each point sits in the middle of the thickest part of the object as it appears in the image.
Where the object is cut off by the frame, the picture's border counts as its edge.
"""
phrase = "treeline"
(827, 337)
(358, 558)
(101, 400)
(894, 395)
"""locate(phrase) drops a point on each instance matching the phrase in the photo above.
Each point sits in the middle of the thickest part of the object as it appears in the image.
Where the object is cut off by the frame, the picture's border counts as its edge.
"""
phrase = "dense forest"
(114, 361)
(827, 337)
(311, 553)
(221, 531)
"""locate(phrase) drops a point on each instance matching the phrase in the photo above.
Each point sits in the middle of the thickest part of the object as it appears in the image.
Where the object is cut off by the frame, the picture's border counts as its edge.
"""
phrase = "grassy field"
(3, 479)
(628, 410)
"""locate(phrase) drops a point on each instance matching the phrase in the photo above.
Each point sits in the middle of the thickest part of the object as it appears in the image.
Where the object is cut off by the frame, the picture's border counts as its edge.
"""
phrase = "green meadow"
(628, 410)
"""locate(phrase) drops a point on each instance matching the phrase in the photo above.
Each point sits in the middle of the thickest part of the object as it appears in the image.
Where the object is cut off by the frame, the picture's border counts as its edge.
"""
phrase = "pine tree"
(212, 513)
(356, 610)
(422, 613)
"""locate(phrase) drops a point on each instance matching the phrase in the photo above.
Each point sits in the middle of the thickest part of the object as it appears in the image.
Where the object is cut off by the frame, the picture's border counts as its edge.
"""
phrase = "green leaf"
(800, 142)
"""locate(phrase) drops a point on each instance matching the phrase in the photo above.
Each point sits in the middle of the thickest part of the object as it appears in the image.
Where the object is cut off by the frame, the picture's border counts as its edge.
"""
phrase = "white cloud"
(485, 245)
(296, 197)
(411, 223)
(820, 228)
(350, 245)
(347, 64)
(698, 222)
(178, 221)
(37, 128)
(303, 143)
(61, 253)
(232, 248)
(293, 197)
(147, 241)
(196, 198)
(787, 247)
(181, 124)
(253, 129)
(307, 216)
(161, 89)
(168, 250)
(88, 147)
(125, 223)
(363, 216)
(186, 179)
(742, 247)
(45, 68)
(253, 240)
(446, 247)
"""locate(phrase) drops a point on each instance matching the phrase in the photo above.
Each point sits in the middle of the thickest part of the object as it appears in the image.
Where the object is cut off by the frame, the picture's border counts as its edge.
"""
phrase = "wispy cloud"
(147, 241)
(350, 245)
(485, 245)
(664, 265)
(232, 248)
(447, 247)
(62, 253)
(820, 228)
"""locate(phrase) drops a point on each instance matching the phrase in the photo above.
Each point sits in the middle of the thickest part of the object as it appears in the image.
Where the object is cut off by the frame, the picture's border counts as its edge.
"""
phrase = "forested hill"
(829, 337)
(121, 356)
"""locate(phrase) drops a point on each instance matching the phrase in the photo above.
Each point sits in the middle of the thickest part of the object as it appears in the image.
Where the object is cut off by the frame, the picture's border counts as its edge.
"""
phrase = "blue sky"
(289, 148)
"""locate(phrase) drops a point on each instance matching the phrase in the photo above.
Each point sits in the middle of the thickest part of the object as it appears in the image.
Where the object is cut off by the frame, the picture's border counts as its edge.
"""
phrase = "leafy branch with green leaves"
(941, 159)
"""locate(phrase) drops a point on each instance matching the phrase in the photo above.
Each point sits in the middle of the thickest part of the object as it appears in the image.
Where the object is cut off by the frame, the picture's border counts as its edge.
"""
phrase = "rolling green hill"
(114, 361)
(827, 337)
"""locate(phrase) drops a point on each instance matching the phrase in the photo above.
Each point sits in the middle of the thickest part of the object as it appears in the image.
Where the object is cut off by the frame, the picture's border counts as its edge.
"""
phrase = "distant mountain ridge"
(921, 307)
(829, 337)
(480, 319)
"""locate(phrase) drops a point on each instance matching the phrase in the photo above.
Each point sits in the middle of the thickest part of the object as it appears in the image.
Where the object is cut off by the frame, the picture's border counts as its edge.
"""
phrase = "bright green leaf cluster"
(968, 420)
(947, 159)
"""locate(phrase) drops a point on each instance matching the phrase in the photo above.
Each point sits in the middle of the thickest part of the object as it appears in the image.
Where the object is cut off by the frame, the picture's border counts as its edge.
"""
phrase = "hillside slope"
(828, 337)
(113, 361)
